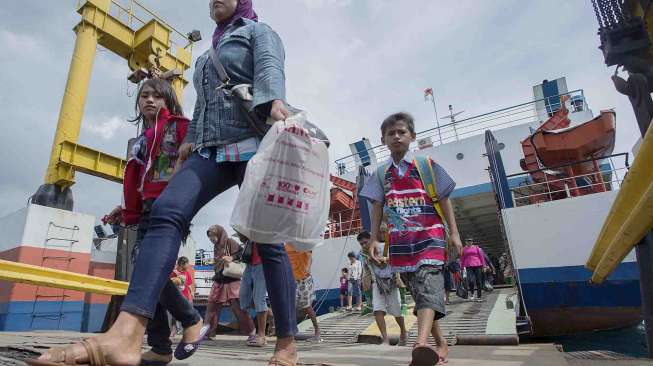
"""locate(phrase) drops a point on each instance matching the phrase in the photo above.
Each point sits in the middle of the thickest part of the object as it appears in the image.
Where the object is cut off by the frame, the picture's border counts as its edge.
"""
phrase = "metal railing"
(563, 186)
(343, 223)
(134, 14)
(502, 118)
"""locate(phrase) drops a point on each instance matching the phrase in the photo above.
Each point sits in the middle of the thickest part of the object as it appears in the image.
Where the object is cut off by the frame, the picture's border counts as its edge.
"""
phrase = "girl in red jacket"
(151, 162)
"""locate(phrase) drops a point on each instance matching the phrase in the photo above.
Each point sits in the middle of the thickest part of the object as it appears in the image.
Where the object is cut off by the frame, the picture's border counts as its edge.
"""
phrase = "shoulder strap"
(427, 176)
(381, 171)
(222, 73)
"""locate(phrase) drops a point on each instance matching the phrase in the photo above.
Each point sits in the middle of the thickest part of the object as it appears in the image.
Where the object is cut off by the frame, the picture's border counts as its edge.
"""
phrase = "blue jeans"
(171, 299)
(197, 182)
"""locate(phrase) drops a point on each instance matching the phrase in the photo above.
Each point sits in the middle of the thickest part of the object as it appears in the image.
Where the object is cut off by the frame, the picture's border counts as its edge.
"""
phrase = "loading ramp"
(490, 319)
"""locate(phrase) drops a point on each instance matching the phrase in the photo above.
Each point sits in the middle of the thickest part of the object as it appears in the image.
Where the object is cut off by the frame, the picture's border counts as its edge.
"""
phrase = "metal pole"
(453, 121)
(437, 120)
(644, 252)
(645, 261)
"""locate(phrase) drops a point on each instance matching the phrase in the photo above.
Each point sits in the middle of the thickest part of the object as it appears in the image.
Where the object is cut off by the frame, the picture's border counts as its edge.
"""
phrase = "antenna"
(452, 117)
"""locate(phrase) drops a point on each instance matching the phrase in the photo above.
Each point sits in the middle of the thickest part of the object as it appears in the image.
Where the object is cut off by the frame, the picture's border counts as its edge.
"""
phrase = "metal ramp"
(464, 318)
(338, 327)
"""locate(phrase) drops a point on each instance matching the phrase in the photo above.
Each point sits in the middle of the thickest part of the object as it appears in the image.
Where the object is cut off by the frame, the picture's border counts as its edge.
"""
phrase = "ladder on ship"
(62, 239)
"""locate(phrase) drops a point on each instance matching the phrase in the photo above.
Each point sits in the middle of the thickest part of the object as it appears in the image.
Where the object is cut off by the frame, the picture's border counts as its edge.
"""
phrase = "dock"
(349, 339)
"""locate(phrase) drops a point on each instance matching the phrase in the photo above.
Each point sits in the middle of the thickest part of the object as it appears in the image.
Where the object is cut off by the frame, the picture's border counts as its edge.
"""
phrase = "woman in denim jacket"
(215, 152)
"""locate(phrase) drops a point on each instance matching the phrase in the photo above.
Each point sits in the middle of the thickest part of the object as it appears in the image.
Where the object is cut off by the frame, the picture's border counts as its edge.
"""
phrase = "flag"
(427, 92)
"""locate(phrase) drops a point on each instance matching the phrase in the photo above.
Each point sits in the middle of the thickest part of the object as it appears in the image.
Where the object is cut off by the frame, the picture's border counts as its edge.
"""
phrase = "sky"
(349, 63)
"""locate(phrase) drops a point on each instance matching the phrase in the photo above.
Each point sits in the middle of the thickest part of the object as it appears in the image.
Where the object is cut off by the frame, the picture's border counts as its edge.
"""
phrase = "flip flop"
(251, 339)
(259, 342)
(65, 356)
(279, 361)
(315, 339)
(442, 361)
(185, 350)
(424, 356)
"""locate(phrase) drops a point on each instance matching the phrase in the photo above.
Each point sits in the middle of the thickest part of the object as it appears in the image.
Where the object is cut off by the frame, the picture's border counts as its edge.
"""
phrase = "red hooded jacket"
(146, 176)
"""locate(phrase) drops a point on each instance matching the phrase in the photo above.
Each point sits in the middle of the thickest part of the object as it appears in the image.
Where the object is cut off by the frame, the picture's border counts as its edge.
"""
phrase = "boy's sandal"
(316, 339)
(251, 339)
(258, 342)
(185, 350)
(424, 356)
(64, 356)
(279, 361)
(402, 342)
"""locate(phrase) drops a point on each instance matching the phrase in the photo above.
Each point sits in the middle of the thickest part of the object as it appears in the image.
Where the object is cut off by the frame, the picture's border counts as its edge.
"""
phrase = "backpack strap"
(381, 172)
(427, 176)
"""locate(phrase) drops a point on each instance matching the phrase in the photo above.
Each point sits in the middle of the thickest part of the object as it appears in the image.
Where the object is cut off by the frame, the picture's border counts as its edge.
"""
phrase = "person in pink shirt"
(473, 261)
(181, 277)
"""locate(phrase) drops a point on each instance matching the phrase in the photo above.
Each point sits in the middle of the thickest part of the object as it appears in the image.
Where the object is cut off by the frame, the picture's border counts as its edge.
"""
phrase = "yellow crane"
(134, 33)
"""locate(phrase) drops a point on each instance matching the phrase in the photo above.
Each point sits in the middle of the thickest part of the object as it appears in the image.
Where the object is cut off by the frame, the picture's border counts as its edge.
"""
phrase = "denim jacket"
(252, 53)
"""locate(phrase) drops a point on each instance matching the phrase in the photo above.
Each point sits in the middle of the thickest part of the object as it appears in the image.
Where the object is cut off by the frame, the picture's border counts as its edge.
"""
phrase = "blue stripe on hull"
(561, 287)
(23, 316)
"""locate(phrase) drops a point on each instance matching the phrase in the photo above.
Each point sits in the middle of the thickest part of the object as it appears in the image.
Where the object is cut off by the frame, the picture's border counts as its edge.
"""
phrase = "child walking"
(151, 163)
(344, 285)
(416, 231)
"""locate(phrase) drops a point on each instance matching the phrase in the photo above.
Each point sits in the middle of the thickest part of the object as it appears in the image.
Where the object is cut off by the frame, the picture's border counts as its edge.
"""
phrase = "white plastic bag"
(285, 195)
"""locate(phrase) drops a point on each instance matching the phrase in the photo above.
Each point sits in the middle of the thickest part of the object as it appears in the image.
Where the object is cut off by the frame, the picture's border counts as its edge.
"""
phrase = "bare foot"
(442, 350)
(121, 345)
(286, 349)
(385, 342)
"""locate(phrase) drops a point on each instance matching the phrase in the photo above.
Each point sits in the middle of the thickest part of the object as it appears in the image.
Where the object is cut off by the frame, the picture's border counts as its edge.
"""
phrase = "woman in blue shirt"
(215, 152)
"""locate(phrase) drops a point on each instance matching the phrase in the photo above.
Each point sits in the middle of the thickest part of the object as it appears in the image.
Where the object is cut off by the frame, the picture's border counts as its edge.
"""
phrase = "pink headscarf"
(245, 9)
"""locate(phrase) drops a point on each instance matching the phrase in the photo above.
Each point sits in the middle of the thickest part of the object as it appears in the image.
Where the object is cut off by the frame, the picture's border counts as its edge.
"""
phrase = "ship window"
(460, 156)
(501, 146)
(578, 105)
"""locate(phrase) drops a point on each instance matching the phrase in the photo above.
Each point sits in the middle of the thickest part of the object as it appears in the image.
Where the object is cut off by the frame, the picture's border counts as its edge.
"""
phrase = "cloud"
(105, 129)
(15, 43)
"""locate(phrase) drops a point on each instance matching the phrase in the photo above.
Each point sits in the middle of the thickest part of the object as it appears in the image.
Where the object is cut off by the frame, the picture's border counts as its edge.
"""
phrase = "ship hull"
(561, 300)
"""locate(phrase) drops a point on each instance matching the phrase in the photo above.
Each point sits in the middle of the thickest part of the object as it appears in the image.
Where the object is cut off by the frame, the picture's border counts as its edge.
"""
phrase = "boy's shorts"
(354, 288)
(426, 286)
(305, 293)
(253, 292)
(344, 292)
(389, 303)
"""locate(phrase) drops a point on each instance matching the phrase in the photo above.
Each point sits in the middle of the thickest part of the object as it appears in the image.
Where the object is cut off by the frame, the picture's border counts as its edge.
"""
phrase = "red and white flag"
(427, 92)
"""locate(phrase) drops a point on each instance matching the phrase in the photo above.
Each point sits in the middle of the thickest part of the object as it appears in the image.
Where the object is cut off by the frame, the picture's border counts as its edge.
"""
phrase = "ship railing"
(343, 223)
(609, 176)
(529, 112)
(134, 14)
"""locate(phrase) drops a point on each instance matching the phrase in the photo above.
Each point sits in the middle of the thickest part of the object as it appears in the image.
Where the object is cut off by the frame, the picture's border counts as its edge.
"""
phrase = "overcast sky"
(349, 63)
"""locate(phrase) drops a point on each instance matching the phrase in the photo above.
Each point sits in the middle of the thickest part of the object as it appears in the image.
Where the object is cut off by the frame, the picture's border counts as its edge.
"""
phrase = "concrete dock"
(231, 350)
(348, 340)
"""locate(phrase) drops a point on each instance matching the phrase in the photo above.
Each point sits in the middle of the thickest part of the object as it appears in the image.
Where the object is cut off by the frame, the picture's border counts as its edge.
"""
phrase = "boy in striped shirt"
(416, 232)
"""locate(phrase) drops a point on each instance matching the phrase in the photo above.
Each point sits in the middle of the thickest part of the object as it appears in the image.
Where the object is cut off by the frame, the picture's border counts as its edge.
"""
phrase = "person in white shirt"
(355, 274)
